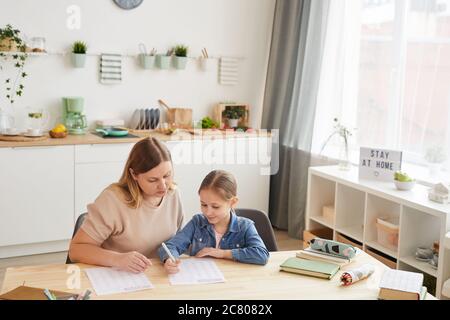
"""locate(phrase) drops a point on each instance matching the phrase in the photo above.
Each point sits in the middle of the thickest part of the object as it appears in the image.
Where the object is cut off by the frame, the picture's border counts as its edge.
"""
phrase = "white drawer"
(90, 153)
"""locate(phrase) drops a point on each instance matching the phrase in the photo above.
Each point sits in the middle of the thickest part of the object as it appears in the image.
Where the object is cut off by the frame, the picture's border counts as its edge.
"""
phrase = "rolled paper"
(354, 275)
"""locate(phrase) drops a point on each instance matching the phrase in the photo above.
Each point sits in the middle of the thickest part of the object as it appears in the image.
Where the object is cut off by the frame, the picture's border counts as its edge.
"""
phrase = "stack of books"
(402, 285)
(311, 254)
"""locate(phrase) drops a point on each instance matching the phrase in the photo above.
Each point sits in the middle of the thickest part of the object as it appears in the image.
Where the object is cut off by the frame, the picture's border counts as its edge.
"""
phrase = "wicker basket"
(58, 134)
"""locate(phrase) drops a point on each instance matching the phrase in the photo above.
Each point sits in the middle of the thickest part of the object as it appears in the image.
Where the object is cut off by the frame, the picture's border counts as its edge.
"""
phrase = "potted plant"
(79, 49)
(233, 115)
(180, 58)
(11, 41)
(163, 61)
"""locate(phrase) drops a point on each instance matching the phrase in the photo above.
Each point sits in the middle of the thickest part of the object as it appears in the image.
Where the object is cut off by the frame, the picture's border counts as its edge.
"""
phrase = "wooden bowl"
(58, 134)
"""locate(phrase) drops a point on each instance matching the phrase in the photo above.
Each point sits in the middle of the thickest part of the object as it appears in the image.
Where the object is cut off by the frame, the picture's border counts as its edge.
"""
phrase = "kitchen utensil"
(147, 119)
(134, 121)
(178, 117)
(157, 114)
(115, 132)
(142, 48)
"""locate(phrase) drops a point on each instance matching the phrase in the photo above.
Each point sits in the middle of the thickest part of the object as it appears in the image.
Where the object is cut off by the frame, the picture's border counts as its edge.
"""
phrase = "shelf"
(447, 240)
(375, 245)
(354, 232)
(422, 266)
(323, 221)
(35, 54)
(446, 288)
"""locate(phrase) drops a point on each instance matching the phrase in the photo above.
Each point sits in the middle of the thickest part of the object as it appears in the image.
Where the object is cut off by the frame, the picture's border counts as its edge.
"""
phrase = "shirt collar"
(234, 225)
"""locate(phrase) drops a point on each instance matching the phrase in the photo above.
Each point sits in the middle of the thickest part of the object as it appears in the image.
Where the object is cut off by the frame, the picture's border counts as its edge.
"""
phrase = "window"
(399, 72)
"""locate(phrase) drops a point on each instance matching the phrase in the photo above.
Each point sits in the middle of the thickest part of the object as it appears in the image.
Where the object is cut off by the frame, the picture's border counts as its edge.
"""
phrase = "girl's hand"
(132, 261)
(213, 252)
(172, 267)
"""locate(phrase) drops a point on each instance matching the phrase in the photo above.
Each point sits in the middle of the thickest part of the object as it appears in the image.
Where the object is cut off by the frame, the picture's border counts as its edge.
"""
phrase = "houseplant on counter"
(79, 49)
(233, 115)
(180, 59)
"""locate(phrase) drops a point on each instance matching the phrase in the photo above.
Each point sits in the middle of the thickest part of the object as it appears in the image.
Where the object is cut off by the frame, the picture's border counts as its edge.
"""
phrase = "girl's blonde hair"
(222, 182)
(146, 154)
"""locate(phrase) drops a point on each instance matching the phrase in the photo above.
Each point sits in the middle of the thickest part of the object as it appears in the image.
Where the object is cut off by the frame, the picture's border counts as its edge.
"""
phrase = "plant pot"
(205, 64)
(147, 61)
(78, 60)
(233, 123)
(8, 44)
(179, 62)
(162, 61)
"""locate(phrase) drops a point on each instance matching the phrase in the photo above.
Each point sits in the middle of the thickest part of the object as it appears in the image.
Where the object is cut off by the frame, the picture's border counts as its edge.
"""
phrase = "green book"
(319, 269)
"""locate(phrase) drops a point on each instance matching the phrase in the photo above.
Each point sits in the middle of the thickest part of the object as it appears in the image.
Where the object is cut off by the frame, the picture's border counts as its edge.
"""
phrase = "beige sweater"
(111, 222)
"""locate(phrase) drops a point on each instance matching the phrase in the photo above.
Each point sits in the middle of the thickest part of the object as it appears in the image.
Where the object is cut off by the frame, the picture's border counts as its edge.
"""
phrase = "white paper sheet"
(197, 271)
(111, 280)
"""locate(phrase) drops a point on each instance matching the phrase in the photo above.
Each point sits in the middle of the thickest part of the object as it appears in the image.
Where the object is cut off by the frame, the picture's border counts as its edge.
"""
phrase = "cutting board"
(20, 138)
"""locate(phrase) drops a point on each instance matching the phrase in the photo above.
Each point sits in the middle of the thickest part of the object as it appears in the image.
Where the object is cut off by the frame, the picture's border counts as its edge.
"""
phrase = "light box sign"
(379, 164)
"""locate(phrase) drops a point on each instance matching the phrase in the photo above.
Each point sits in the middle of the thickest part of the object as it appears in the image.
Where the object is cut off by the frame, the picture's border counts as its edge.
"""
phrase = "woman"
(130, 219)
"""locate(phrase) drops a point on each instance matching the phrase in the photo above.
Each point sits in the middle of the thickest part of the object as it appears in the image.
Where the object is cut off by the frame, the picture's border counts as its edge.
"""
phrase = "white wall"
(225, 27)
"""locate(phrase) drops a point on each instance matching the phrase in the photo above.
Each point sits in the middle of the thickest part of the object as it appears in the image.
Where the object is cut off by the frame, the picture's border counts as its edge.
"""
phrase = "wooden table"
(243, 281)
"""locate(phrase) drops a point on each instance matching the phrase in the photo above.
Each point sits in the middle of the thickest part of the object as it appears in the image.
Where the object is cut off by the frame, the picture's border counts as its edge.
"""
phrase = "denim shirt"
(242, 238)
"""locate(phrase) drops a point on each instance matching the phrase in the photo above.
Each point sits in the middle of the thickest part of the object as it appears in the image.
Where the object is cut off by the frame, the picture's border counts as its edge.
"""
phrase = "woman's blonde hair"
(222, 182)
(146, 154)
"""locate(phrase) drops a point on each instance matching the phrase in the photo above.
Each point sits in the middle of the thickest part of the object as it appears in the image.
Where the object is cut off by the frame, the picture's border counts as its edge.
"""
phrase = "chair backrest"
(78, 224)
(262, 225)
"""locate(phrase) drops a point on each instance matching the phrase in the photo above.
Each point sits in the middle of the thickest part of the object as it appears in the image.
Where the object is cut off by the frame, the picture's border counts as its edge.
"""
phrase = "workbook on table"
(401, 285)
(319, 269)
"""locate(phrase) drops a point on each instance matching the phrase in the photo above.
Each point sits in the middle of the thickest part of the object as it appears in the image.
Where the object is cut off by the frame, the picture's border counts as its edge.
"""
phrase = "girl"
(128, 221)
(218, 232)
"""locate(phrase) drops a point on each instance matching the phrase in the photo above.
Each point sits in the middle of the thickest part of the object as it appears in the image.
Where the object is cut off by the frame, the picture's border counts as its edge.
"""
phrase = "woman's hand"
(213, 252)
(172, 267)
(132, 261)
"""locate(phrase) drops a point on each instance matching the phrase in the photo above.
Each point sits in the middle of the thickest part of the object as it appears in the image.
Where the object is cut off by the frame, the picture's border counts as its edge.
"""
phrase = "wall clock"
(128, 4)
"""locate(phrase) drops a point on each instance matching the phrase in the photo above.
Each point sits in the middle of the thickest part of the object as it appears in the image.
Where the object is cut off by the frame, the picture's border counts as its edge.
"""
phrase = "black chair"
(78, 224)
(262, 225)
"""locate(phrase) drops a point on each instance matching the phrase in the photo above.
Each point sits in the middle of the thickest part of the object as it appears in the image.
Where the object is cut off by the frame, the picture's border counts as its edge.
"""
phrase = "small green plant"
(79, 47)
(208, 123)
(234, 113)
(181, 51)
(12, 36)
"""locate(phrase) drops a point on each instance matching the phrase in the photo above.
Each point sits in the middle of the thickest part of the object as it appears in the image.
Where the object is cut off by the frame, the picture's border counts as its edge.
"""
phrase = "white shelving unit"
(358, 203)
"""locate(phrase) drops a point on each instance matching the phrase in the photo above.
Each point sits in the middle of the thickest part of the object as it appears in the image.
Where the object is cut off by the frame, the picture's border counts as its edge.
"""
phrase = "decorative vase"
(344, 160)
(78, 60)
(162, 61)
(147, 61)
(179, 62)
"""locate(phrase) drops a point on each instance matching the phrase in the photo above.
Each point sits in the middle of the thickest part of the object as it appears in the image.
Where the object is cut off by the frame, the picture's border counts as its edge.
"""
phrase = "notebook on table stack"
(402, 285)
(319, 269)
(311, 254)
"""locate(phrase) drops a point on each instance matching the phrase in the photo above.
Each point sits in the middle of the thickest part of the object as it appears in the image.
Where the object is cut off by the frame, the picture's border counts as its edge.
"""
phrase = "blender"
(73, 118)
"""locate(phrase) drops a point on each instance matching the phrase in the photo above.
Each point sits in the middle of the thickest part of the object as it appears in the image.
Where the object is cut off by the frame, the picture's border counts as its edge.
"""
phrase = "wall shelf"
(358, 204)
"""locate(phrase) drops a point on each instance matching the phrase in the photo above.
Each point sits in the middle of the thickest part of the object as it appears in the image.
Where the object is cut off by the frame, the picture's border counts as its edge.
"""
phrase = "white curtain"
(386, 72)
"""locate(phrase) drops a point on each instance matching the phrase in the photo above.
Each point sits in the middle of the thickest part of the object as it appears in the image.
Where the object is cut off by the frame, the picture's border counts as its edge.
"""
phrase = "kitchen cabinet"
(96, 167)
(44, 189)
(37, 194)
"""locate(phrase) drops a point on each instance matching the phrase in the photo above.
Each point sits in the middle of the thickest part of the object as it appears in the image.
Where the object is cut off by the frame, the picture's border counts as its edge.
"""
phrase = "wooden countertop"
(181, 135)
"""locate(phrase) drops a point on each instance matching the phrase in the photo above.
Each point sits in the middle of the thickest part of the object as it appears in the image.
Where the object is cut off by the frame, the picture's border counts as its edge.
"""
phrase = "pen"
(86, 295)
(48, 294)
(168, 253)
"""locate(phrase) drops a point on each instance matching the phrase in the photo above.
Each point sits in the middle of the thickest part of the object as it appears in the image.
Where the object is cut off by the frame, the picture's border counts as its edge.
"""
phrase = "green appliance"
(73, 117)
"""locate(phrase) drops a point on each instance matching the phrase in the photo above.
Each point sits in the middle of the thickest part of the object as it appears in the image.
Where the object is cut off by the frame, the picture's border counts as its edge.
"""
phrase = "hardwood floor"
(283, 240)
